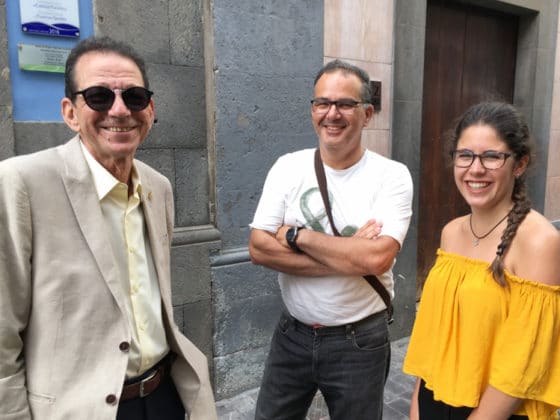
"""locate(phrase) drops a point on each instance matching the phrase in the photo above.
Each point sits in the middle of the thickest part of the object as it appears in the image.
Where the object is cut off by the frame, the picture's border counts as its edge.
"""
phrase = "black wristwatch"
(291, 237)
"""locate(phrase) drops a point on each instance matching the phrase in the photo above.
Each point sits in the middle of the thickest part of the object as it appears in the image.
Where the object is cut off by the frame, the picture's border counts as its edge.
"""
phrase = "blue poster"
(50, 17)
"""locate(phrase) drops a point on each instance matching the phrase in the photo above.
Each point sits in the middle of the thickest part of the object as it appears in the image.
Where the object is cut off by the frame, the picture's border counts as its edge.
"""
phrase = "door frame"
(534, 79)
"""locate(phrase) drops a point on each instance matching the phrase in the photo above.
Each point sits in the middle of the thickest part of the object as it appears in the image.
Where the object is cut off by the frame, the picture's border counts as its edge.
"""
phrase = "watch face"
(291, 237)
(291, 234)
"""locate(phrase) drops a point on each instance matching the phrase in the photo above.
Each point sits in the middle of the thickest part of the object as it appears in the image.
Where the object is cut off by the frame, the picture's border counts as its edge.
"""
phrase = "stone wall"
(232, 82)
(266, 54)
(168, 34)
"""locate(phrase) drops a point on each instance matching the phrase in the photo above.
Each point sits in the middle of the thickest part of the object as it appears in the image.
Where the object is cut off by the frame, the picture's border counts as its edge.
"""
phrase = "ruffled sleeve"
(470, 332)
(526, 356)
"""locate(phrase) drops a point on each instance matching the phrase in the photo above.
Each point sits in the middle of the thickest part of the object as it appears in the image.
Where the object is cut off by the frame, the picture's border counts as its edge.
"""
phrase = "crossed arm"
(363, 253)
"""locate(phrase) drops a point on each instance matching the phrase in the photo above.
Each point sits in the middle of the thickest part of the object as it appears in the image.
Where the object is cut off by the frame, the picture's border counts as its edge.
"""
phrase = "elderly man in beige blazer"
(86, 319)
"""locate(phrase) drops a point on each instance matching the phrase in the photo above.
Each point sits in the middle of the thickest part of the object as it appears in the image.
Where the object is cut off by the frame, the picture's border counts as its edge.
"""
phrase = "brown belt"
(149, 384)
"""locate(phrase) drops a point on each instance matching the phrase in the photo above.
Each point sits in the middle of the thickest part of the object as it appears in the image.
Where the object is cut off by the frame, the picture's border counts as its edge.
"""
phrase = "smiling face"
(483, 188)
(340, 134)
(113, 136)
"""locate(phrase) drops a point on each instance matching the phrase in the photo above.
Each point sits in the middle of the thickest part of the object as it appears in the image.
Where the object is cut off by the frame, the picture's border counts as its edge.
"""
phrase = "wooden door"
(469, 57)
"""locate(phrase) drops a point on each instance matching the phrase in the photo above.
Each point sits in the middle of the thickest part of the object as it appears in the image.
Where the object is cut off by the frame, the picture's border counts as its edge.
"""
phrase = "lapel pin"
(150, 196)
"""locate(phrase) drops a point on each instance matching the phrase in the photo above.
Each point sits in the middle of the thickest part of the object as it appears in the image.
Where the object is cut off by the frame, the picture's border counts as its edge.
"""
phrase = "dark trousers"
(162, 404)
(431, 409)
(348, 364)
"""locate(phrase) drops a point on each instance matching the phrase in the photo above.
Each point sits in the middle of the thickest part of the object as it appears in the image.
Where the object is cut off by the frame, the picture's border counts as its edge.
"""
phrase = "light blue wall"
(37, 95)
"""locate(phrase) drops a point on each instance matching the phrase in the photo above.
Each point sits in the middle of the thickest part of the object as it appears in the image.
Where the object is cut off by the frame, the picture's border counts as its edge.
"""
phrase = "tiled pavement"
(397, 395)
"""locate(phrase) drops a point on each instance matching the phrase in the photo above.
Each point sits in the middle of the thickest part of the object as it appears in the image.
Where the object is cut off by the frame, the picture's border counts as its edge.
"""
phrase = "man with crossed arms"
(333, 334)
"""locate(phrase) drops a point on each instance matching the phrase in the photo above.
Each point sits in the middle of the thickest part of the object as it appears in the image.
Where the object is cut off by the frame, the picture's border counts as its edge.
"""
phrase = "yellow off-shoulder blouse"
(470, 332)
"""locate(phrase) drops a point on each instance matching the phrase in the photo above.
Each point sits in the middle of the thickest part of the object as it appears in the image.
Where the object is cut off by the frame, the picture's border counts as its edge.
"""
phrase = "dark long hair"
(511, 127)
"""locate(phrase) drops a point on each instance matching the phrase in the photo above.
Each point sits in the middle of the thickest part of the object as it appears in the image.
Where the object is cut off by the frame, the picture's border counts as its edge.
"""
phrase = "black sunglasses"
(101, 98)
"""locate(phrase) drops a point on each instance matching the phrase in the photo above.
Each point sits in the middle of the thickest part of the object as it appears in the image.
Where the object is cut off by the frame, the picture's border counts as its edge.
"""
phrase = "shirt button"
(111, 399)
(124, 346)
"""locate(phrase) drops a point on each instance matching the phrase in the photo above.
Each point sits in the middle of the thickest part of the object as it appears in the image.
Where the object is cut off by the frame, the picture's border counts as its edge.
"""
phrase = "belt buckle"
(143, 382)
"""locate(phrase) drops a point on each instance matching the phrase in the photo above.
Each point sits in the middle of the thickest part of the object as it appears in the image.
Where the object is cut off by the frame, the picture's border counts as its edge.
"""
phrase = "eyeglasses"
(101, 98)
(490, 159)
(344, 106)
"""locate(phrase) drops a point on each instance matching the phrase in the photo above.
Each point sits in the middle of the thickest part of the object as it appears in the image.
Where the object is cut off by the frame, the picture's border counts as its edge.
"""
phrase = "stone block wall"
(266, 55)
(232, 83)
(168, 34)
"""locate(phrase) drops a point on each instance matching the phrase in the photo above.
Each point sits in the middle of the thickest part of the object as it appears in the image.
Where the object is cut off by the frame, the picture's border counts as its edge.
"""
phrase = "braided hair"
(511, 127)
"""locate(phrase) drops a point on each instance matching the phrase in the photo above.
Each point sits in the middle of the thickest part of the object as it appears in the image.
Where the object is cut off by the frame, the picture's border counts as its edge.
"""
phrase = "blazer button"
(124, 346)
(111, 399)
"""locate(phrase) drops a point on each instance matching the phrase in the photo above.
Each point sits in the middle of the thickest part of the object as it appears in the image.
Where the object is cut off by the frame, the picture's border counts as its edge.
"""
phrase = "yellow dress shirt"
(124, 223)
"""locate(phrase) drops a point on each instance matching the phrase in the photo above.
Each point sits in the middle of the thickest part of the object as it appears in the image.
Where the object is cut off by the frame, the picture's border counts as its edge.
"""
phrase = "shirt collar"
(103, 180)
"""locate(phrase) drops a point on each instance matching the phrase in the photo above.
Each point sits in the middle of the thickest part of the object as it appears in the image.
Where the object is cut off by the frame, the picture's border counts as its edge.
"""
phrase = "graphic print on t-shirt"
(313, 209)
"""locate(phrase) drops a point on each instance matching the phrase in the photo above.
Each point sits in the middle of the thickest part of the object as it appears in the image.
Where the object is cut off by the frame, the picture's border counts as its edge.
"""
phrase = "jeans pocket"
(371, 340)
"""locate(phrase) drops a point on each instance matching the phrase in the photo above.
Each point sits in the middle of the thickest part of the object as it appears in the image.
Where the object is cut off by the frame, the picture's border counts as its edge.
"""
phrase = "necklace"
(478, 238)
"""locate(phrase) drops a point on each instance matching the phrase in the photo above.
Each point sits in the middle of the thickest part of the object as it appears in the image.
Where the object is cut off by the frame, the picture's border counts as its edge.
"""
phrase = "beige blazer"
(62, 313)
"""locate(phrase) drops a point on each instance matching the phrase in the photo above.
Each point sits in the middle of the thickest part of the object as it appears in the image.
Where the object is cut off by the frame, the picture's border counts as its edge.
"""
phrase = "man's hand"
(370, 230)
(266, 249)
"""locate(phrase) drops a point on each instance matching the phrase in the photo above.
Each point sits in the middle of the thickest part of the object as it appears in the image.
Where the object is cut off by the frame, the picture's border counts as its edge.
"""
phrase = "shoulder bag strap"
(371, 279)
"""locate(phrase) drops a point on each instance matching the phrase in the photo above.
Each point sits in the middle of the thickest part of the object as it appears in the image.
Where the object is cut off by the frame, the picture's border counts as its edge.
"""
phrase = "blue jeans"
(348, 364)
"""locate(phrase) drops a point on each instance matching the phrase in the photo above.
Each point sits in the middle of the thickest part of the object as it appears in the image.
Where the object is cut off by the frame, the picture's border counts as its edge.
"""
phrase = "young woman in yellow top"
(486, 340)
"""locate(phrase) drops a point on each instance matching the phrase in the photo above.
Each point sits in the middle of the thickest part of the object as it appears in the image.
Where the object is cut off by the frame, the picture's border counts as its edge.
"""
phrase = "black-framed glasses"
(101, 98)
(490, 159)
(344, 106)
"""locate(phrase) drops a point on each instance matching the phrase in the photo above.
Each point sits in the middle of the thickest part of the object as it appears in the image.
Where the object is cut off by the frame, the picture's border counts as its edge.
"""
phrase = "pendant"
(475, 242)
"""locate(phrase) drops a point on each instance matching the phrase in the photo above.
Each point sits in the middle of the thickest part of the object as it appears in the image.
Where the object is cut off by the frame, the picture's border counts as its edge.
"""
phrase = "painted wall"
(37, 95)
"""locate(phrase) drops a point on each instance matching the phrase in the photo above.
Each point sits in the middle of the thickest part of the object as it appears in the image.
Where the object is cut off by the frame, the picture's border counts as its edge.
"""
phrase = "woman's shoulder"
(536, 231)
(455, 225)
(452, 231)
(535, 250)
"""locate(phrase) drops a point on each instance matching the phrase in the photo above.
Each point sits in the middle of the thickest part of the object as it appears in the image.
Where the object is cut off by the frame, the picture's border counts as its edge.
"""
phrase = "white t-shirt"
(375, 187)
